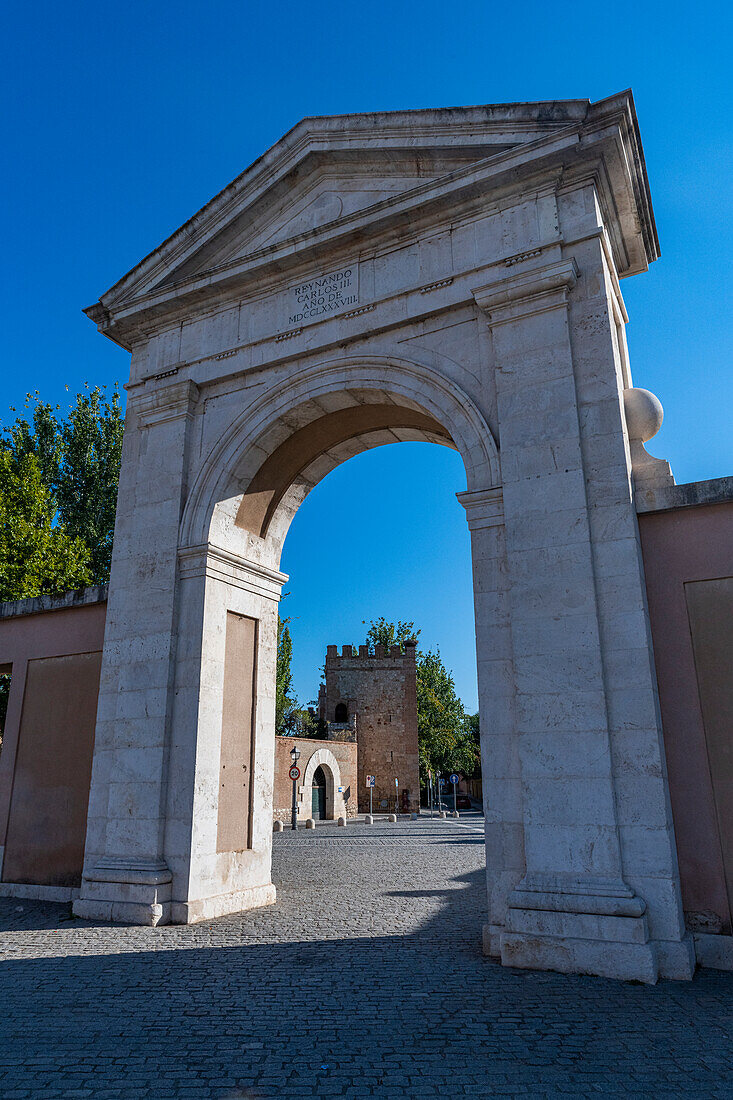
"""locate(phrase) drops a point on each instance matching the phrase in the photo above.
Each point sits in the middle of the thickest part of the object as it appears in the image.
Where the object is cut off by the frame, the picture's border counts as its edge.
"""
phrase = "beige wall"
(688, 561)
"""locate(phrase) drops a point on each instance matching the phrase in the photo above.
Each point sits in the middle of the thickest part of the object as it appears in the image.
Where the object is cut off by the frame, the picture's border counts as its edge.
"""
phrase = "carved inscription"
(323, 295)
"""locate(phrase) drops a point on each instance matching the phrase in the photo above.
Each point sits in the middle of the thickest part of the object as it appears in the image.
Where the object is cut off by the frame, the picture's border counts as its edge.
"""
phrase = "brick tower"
(376, 693)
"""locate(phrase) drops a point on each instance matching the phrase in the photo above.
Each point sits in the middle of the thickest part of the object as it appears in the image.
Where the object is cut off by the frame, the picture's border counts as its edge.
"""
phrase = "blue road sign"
(454, 778)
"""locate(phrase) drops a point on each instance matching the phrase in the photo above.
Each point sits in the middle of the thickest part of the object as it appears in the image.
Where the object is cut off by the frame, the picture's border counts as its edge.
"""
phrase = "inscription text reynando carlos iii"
(324, 294)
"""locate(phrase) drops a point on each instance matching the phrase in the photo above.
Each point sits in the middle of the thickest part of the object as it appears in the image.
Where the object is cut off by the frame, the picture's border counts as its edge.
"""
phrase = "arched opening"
(341, 713)
(237, 516)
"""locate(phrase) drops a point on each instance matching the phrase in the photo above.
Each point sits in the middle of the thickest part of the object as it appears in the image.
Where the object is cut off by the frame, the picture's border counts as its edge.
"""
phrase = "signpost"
(430, 792)
(396, 797)
(294, 774)
(454, 781)
(437, 791)
(370, 785)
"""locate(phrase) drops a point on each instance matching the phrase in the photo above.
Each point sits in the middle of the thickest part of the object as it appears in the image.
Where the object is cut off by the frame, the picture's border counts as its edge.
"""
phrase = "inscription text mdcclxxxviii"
(322, 295)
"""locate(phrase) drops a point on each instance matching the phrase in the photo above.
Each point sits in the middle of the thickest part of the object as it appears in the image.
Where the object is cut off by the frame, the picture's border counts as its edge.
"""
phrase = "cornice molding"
(165, 403)
(527, 292)
(484, 508)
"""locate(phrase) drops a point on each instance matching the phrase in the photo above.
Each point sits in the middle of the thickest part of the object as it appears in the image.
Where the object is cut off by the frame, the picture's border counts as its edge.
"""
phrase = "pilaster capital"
(165, 403)
(484, 507)
(511, 298)
(214, 563)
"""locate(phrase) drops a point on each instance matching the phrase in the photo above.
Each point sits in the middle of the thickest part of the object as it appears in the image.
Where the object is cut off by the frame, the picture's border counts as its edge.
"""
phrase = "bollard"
(454, 813)
(342, 821)
(368, 819)
(392, 817)
(277, 826)
(443, 813)
(413, 817)
(310, 823)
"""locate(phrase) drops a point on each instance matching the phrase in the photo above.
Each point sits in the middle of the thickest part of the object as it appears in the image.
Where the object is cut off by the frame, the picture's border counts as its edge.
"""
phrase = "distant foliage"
(77, 460)
(285, 702)
(383, 632)
(444, 734)
(36, 555)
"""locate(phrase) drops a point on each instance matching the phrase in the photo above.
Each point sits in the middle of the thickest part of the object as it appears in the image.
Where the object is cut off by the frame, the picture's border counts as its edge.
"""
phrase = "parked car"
(463, 802)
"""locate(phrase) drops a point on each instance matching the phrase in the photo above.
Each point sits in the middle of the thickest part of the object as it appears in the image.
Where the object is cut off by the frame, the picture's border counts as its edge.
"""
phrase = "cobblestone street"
(365, 979)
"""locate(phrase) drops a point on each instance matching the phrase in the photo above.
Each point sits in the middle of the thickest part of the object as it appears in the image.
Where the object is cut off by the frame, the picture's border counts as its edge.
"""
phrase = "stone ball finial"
(644, 414)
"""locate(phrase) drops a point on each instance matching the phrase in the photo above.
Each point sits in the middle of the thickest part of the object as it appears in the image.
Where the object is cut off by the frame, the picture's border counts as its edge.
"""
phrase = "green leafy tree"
(286, 705)
(382, 632)
(444, 738)
(474, 732)
(91, 448)
(78, 459)
(36, 555)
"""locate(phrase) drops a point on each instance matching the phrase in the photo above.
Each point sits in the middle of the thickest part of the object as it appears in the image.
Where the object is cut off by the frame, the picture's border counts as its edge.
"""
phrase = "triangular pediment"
(325, 170)
(325, 190)
(346, 176)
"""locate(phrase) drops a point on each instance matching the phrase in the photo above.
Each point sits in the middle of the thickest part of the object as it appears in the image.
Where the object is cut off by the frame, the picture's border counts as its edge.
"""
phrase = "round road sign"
(454, 778)
(294, 773)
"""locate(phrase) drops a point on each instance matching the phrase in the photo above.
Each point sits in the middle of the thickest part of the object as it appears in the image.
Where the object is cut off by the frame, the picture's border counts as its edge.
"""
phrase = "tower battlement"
(350, 653)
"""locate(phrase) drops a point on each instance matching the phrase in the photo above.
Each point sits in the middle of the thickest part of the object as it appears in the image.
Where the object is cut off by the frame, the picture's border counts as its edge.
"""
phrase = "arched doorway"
(318, 795)
(322, 795)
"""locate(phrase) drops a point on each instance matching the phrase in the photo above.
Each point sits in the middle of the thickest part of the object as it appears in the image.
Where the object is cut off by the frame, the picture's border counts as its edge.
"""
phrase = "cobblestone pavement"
(364, 980)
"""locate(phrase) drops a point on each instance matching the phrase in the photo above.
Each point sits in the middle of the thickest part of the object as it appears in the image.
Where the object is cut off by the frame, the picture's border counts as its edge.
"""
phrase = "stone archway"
(469, 294)
(335, 804)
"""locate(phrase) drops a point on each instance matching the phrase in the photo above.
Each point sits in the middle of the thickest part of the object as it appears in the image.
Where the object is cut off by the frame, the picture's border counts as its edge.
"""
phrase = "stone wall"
(338, 760)
(379, 691)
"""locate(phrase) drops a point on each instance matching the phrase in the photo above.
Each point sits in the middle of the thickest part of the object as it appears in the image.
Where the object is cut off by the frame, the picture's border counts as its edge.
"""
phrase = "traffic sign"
(294, 773)
(370, 781)
(396, 782)
(454, 778)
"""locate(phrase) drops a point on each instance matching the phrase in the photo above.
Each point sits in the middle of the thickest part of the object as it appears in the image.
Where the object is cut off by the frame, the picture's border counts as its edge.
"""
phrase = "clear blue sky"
(122, 119)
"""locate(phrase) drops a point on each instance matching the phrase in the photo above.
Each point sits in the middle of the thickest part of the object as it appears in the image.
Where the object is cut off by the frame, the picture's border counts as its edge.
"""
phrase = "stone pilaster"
(126, 876)
(501, 777)
(573, 908)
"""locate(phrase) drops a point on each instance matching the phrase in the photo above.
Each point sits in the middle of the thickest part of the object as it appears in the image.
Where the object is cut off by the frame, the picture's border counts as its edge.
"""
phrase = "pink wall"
(684, 544)
(60, 627)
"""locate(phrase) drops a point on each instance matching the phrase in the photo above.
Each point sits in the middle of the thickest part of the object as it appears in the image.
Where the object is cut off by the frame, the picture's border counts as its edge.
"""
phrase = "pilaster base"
(550, 936)
(585, 927)
(189, 912)
(573, 955)
(114, 890)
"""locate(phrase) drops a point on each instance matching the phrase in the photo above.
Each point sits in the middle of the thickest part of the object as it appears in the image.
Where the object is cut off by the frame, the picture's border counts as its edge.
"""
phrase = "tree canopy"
(36, 555)
(382, 632)
(285, 702)
(77, 465)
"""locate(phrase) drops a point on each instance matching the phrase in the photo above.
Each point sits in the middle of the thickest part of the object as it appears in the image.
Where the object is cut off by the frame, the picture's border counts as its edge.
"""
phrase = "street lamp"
(295, 776)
